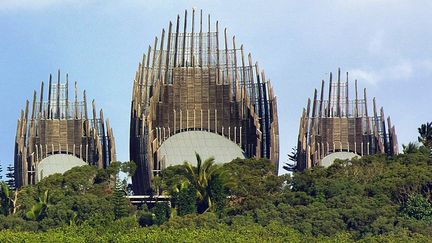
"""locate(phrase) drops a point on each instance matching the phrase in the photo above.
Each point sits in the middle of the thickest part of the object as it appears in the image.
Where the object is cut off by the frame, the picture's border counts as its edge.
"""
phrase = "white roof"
(329, 159)
(57, 163)
(182, 147)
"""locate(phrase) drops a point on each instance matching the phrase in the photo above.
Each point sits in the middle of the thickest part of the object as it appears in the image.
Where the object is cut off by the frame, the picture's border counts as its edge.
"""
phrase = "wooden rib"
(161, 54)
(243, 66)
(217, 52)
(200, 40)
(168, 53)
(34, 105)
(314, 104)
(176, 40)
(146, 78)
(49, 96)
(85, 106)
(184, 39)
(329, 97)
(321, 99)
(209, 41)
(356, 100)
(41, 98)
(76, 102)
(192, 61)
(366, 112)
(67, 97)
(104, 159)
(26, 111)
(347, 96)
(338, 108)
(94, 118)
(235, 62)
(252, 81)
(382, 120)
(226, 57)
(58, 94)
(152, 75)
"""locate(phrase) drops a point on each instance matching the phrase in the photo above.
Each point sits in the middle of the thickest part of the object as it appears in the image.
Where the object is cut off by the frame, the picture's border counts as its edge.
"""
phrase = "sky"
(385, 44)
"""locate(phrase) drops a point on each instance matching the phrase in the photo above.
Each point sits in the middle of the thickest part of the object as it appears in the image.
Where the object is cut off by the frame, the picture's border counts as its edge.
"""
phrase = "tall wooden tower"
(194, 86)
(57, 133)
(342, 125)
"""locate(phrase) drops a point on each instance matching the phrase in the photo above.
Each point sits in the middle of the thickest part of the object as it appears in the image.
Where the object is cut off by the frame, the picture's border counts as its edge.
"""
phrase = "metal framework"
(60, 126)
(340, 124)
(192, 80)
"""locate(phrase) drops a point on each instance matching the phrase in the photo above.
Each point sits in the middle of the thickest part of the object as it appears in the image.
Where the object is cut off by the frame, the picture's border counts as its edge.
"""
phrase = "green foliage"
(372, 199)
(162, 213)
(5, 198)
(38, 210)
(410, 148)
(145, 218)
(205, 177)
(120, 203)
(10, 175)
(254, 184)
(206, 185)
(425, 131)
(186, 201)
(418, 207)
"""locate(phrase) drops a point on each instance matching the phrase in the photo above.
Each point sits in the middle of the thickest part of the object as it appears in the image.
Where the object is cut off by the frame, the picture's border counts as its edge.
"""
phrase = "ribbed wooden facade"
(193, 80)
(60, 126)
(342, 124)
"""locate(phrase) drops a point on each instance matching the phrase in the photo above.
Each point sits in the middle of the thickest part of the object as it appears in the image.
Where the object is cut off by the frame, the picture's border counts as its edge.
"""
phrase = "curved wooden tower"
(192, 80)
(340, 124)
(60, 126)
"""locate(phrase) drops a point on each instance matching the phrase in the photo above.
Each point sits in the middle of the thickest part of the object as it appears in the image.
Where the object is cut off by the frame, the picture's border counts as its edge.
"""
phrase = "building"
(197, 91)
(57, 134)
(340, 127)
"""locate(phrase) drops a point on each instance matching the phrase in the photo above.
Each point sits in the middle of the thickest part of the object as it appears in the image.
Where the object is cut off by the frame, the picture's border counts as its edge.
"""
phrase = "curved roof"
(57, 163)
(182, 147)
(329, 159)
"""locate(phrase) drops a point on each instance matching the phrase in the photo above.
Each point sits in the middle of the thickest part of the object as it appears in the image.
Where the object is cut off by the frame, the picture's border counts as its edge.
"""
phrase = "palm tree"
(204, 178)
(37, 212)
(425, 137)
(410, 148)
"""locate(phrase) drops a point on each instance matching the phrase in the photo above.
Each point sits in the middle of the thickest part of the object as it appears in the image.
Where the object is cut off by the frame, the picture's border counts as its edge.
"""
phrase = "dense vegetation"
(374, 198)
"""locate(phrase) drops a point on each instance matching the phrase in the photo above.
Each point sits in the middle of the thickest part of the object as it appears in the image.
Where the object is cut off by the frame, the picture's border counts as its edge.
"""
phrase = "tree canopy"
(373, 198)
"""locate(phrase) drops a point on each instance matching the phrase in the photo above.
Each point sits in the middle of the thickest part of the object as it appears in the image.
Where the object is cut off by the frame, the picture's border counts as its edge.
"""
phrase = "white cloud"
(364, 75)
(401, 71)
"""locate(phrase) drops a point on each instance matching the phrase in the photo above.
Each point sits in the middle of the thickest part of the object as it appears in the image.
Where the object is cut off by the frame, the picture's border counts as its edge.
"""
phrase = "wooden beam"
(184, 39)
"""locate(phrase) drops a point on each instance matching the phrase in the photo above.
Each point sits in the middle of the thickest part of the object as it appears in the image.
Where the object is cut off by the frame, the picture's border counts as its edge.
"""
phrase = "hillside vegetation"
(371, 199)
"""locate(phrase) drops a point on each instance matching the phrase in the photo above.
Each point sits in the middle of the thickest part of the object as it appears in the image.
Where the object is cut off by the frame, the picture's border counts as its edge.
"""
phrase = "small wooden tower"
(60, 126)
(340, 124)
(193, 80)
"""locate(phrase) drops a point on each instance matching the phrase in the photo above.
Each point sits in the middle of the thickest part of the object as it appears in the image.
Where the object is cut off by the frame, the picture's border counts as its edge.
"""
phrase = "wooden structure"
(192, 80)
(60, 126)
(341, 124)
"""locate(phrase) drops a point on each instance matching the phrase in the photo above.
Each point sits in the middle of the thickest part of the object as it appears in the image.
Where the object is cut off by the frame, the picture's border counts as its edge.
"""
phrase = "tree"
(38, 210)
(120, 203)
(418, 207)
(1, 170)
(204, 179)
(410, 148)
(186, 200)
(10, 175)
(425, 131)
(162, 212)
(291, 166)
(5, 199)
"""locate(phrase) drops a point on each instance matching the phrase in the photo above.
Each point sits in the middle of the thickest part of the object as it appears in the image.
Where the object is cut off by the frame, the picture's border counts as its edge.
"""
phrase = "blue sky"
(385, 44)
